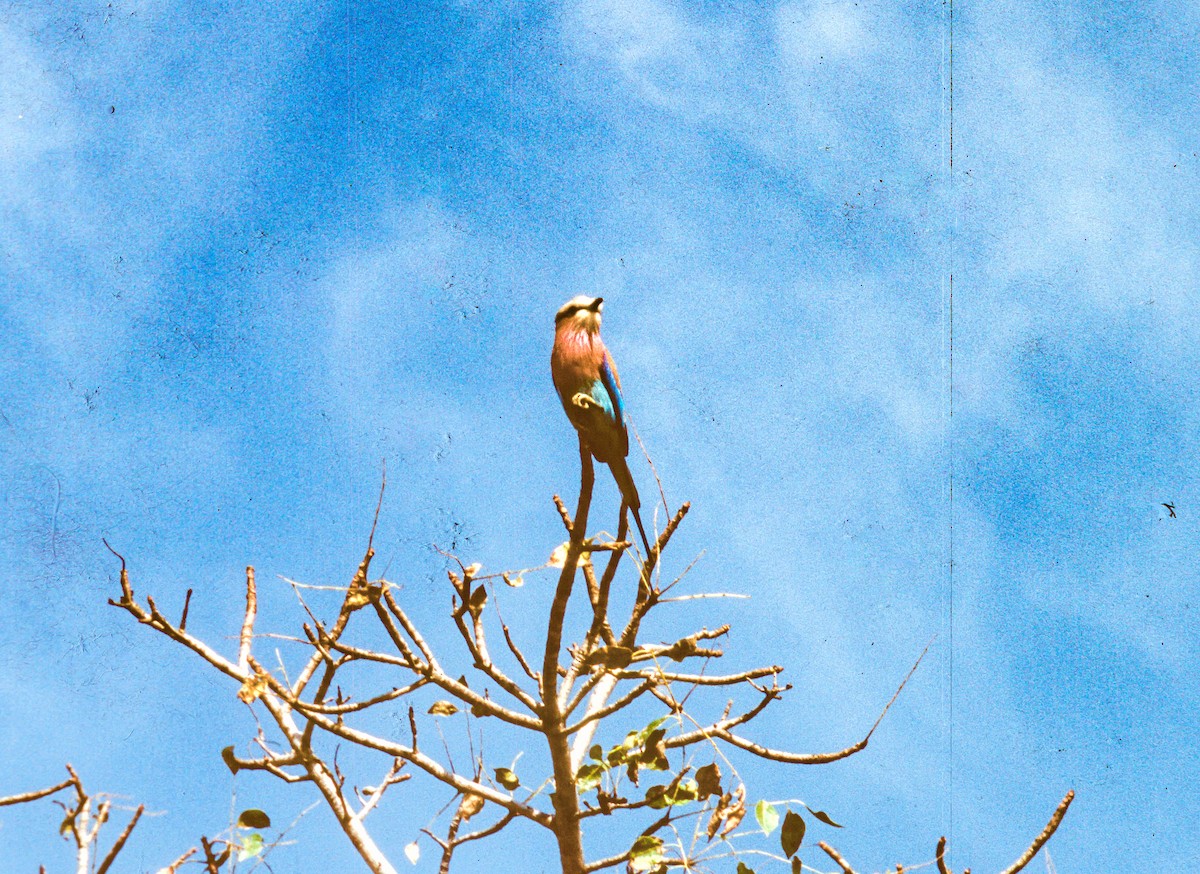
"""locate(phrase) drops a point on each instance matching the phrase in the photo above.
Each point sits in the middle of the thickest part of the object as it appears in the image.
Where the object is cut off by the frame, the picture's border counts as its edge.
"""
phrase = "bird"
(585, 377)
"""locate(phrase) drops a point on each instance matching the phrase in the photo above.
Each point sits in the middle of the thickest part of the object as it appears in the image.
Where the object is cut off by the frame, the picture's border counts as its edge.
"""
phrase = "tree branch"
(1041, 839)
(33, 796)
(248, 620)
(111, 856)
(837, 859)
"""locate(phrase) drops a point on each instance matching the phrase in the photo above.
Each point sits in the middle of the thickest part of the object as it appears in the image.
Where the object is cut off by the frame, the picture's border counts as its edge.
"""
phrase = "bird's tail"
(629, 493)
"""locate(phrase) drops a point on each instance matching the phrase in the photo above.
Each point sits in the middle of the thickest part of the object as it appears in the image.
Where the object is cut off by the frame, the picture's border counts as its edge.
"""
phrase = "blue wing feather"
(618, 403)
(617, 407)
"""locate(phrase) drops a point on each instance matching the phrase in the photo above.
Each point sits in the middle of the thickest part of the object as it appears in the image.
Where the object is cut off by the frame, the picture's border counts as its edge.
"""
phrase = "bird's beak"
(595, 305)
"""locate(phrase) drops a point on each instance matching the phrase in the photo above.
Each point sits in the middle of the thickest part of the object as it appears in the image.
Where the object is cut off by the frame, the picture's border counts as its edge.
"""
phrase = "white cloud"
(1070, 182)
(812, 32)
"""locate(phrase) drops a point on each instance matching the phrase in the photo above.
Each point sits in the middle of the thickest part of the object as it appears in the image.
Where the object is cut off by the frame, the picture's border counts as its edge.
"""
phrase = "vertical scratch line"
(951, 435)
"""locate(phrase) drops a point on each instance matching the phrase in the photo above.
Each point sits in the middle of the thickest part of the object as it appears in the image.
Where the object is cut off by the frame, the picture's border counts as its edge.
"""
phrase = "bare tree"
(86, 814)
(672, 778)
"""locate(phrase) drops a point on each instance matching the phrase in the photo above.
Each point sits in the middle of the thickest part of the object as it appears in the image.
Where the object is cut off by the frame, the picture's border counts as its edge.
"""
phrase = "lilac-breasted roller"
(590, 390)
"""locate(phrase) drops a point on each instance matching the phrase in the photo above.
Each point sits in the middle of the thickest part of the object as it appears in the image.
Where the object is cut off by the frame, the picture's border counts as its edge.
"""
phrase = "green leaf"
(645, 732)
(597, 753)
(743, 868)
(767, 816)
(253, 818)
(797, 868)
(823, 816)
(588, 776)
(792, 835)
(230, 761)
(657, 797)
(646, 854)
(683, 793)
(506, 778)
(252, 845)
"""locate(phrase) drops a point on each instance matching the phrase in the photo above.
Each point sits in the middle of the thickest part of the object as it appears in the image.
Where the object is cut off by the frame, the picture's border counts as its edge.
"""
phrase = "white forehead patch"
(579, 303)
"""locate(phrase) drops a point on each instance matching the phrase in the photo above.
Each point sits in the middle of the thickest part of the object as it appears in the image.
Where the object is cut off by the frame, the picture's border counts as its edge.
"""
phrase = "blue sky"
(247, 251)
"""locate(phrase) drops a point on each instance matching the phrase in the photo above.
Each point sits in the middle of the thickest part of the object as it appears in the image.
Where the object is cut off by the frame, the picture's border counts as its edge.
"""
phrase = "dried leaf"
(558, 558)
(792, 834)
(412, 852)
(736, 812)
(823, 816)
(718, 815)
(477, 601)
(708, 779)
(516, 582)
(230, 761)
(253, 818)
(506, 778)
(442, 708)
(470, 805)
(654, 751)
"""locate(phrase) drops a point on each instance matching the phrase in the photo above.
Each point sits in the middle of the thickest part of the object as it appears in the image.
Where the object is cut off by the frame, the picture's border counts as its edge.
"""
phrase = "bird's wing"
(609, 379)
(608, 376)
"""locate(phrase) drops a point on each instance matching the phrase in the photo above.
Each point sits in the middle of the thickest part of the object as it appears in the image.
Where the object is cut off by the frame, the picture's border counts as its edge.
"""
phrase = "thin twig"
(35, 795)
(111, 856)
(178, 863)
(837, 858)
(722, 730)
(1041, 839)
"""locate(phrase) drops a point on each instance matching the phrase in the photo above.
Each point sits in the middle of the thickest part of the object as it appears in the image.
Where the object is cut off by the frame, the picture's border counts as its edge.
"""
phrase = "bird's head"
(582, 313)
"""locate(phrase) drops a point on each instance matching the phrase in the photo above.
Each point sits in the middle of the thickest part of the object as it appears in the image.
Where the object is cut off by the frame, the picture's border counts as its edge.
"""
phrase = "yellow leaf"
(252, 689)
(558, 558)
(443, 708)
(471, 805)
